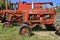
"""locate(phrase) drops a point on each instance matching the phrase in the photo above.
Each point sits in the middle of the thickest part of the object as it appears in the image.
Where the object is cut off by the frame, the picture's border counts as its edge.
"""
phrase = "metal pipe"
(32, 5)
(6, 4)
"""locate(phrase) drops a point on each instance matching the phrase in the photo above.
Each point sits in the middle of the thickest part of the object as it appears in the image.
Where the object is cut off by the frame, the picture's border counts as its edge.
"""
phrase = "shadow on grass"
(39, 28)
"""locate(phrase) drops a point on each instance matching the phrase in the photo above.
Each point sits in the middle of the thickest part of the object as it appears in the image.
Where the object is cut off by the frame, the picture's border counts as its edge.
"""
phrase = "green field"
(12, 34)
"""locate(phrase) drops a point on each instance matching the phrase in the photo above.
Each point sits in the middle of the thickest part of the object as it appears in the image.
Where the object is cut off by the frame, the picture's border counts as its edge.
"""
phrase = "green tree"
(2, 4)
(58, 8)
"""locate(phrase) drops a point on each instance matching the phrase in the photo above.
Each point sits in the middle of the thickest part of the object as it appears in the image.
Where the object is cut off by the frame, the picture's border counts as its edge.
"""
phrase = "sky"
(55, 2)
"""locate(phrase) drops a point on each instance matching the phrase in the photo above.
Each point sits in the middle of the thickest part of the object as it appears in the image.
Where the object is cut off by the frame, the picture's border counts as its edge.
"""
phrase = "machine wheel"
(25, 30)
(57, 23)
(58, 32)
(6, 24)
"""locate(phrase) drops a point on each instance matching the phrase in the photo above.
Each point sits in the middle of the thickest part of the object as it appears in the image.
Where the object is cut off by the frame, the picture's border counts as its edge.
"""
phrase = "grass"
(12, 34)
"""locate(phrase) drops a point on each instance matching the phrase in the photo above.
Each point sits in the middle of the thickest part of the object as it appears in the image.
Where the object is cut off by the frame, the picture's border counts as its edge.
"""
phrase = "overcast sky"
(55, 2)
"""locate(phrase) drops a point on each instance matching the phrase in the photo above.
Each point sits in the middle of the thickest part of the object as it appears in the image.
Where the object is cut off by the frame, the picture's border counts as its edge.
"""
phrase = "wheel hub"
(25, 31)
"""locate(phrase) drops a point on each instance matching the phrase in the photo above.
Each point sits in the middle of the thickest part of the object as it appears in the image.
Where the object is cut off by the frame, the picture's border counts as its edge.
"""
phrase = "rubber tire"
(57, 23)
(6, 23)
(23, 26)
(58, 32)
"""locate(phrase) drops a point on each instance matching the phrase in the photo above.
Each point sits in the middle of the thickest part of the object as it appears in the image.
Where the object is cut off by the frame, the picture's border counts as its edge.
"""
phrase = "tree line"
(2, 4)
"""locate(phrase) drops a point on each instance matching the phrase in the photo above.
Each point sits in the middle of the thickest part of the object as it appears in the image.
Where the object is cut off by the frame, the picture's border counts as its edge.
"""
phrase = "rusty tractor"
(29, 15)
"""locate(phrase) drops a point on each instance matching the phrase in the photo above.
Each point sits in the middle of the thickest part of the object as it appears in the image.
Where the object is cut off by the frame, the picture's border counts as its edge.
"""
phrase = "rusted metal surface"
(25, 14)
(25, 31)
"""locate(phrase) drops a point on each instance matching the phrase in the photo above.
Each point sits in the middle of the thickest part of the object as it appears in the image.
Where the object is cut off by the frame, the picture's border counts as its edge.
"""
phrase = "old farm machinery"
(29, 15)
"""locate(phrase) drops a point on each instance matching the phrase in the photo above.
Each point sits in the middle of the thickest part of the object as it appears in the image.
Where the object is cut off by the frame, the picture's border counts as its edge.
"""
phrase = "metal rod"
(6, 4)
(32, 4)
